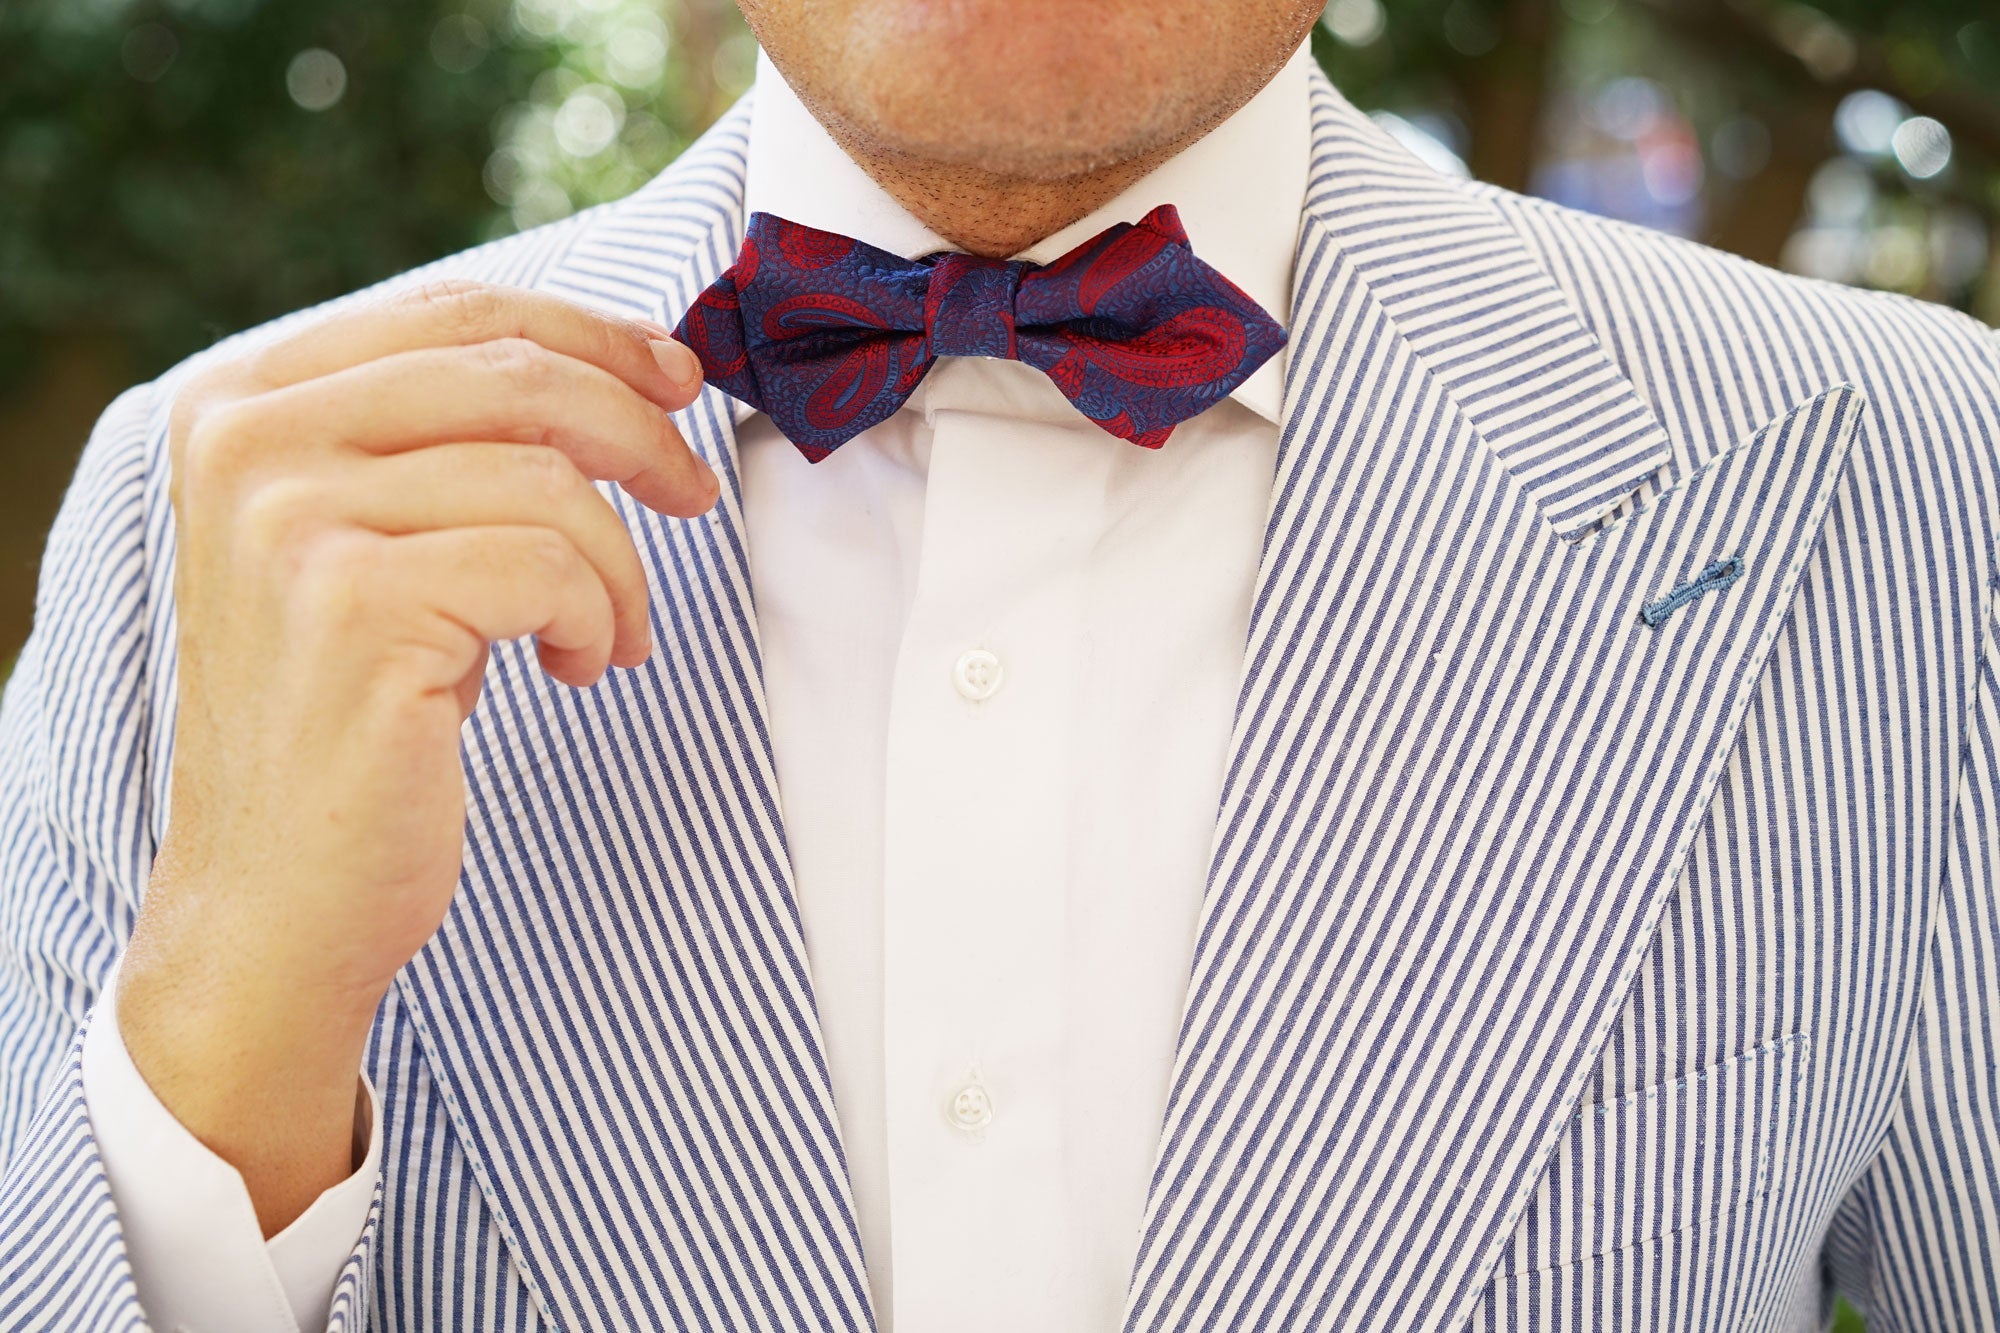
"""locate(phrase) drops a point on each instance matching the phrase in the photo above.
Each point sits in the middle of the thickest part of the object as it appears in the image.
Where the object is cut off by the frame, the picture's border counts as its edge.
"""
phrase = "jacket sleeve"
(1916, 1245)
(76, 843)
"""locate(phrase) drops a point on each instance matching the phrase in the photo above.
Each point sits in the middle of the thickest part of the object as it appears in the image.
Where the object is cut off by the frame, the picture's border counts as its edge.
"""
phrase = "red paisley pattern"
(1113, 268)
(857, 378)
(808, 248)
(1196, 346)
(810, 312)
(830, 335)
(743, 272)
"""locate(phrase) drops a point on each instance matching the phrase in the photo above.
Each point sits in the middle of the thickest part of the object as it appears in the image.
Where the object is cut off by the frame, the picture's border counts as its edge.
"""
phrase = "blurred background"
(174, 170)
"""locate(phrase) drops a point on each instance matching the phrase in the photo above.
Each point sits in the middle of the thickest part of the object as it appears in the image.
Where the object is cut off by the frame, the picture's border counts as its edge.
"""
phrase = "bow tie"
(829, 335)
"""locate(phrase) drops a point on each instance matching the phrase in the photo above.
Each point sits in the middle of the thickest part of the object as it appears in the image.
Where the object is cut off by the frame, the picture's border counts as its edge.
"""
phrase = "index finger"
(458, 312)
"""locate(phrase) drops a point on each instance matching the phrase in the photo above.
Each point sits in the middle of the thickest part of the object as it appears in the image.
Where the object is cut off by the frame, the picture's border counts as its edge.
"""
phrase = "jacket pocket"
(1632, 1170)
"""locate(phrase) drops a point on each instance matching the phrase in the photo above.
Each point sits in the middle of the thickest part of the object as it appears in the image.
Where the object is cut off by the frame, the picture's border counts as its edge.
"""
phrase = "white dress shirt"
(1001, 654)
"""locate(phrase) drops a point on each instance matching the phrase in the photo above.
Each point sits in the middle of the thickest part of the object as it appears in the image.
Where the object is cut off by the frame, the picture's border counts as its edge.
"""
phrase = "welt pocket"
(1663, 1158)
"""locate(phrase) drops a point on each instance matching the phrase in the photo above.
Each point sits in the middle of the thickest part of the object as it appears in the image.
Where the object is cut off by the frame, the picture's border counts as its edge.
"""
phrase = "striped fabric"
(1558, 970)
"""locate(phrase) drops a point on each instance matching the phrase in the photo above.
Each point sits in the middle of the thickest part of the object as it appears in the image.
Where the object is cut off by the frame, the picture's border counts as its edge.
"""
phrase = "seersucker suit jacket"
(1601, 929)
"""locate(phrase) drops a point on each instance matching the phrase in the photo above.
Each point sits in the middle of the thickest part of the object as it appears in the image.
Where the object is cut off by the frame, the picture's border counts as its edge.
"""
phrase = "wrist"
(263, 1071)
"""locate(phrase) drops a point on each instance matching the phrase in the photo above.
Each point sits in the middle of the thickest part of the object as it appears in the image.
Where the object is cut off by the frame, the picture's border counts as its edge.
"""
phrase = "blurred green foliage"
(172, 170)
(156, 179)
(1808, 124)
(1428, 45)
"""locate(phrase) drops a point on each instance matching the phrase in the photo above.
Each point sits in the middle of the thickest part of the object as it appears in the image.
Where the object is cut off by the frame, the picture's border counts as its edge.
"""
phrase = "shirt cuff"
(198, 1257)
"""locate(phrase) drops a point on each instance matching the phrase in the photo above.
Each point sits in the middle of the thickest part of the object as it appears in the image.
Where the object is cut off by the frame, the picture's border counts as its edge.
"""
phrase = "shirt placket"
(976, 823)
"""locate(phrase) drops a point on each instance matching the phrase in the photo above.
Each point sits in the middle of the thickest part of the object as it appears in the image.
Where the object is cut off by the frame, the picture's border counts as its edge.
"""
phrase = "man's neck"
(996, 216)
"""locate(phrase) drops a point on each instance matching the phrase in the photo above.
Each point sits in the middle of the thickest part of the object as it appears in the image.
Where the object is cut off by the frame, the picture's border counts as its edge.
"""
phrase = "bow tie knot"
(829, 335)
(969, 306)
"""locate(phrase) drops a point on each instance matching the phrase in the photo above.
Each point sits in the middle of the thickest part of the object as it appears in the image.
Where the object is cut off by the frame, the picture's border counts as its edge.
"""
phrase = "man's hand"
(360, 508)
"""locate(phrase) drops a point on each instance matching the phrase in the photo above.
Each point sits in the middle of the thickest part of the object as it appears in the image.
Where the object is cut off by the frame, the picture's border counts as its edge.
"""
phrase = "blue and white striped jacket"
(1564, 964)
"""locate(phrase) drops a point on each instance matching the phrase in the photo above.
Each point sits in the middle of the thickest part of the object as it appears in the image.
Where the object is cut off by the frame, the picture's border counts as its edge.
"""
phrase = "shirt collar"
(1240, 190)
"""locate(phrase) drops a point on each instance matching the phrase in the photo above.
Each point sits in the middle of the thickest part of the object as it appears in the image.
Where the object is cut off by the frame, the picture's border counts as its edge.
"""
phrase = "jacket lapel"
(617, 1012)
(1465, 768)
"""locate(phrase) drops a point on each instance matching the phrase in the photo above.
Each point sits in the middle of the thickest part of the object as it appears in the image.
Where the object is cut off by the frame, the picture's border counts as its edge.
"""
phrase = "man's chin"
(1007, 121)
(1038, 90)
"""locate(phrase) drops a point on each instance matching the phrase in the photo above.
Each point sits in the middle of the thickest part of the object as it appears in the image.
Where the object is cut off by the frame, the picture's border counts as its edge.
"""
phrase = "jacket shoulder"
(1728, 343)
(1824, 312)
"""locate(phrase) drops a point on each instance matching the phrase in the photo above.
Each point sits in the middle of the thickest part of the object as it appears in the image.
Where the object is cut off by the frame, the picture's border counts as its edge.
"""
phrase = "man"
(1478, 817)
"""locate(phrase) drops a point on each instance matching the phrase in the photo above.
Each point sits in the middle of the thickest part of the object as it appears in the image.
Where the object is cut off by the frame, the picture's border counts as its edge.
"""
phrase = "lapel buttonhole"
(1712, 579)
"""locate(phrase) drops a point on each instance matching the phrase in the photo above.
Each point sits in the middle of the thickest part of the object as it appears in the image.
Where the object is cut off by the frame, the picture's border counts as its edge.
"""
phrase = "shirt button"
(971, 1108)
(976, 674)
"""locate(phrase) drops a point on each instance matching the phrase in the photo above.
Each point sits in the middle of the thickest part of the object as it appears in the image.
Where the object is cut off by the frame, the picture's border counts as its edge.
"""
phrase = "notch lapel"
(1465, 770)
(1492, 328)
(616, 1011)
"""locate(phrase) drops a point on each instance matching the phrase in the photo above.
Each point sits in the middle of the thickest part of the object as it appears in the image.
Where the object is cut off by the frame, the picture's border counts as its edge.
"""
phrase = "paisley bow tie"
(829, 335)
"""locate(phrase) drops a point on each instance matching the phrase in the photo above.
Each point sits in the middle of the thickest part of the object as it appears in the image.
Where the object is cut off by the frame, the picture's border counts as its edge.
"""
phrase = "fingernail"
(677, 361)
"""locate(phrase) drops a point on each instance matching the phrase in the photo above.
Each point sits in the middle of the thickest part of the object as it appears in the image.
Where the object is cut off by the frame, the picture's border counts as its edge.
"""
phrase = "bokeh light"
(592, 126)
(1923, 146)
(1356, 22)
(316, 79)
